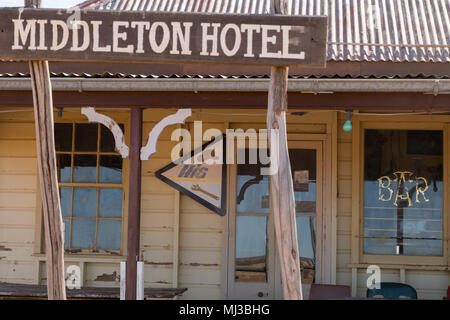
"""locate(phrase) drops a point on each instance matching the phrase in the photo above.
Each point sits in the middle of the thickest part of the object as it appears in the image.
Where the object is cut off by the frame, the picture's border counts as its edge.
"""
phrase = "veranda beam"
(45, 145)
(281, 185)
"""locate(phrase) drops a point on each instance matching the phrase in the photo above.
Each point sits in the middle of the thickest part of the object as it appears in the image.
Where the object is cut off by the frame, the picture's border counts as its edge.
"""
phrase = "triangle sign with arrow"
(201, 175)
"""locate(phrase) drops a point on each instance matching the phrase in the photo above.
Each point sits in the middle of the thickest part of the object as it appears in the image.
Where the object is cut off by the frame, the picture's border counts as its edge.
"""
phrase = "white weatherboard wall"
(200, 230)
(21, 237)
(344, 205)
(200, 244)
(18, 185)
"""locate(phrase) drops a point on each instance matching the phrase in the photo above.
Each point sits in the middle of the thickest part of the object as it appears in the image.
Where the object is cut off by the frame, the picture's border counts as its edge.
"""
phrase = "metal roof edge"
(334, 69)
(314, 86)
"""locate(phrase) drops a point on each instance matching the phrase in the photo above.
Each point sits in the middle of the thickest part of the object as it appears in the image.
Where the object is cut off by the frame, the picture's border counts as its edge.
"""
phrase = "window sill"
(400, 266)
(95, 257)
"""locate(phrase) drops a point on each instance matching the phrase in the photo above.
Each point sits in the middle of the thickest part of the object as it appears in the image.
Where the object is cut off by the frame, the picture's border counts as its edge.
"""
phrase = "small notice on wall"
(198, 178)
(301, 180)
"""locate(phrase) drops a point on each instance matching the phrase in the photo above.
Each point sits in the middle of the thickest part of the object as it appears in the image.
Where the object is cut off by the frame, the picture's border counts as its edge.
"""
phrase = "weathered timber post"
(45, 145)
(33, 3)
(134, 203)
(281, 185)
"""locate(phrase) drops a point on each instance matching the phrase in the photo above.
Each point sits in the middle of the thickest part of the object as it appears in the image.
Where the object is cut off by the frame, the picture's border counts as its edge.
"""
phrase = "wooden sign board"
(127, 36)
(202, 180)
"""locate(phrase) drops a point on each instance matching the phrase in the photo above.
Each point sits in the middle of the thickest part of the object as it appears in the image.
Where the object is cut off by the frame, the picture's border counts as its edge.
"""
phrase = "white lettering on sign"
(266, 40)
(237, 39)
(183, 38)
(141, 26)
(22, 34)
(164, 31)
(121, 36)
(96, 35)
(159, 37)
(209, 37)
(285, 30)
(42, 24)
(58, 24)
(250, 28)
(86, 36)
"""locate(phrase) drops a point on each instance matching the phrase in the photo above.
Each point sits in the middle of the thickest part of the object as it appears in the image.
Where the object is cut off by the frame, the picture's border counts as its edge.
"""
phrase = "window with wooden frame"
(90, 182)
(402, 192)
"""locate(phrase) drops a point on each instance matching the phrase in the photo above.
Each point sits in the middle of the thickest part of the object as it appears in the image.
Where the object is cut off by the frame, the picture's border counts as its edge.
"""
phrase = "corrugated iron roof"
(120, 75)
(359, 30)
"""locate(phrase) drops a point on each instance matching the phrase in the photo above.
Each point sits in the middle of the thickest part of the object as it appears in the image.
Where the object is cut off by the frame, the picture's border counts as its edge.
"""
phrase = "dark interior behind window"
(403, 192)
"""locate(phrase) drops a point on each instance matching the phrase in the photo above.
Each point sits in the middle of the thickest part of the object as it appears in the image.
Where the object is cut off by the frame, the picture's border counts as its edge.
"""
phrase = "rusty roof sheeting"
(359, 30)
(120, 75)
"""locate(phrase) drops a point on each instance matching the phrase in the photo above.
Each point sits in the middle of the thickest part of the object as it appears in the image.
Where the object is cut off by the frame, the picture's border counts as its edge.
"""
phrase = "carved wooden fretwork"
(178, 117)
(94, 116)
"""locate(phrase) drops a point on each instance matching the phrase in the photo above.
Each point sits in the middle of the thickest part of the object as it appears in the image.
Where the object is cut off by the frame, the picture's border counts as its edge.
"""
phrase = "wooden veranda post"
(134, 203)
(45, 145)
(281, 185)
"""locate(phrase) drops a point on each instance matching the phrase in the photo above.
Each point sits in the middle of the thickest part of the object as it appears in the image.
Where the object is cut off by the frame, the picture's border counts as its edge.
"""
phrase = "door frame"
(329, 207)
(329, 198)
(317, 145)
(267, 288)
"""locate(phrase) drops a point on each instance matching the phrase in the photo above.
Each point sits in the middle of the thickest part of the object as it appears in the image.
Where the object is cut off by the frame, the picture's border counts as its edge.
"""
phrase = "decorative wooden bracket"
(153, 136)
(119, 138)
(245, 186)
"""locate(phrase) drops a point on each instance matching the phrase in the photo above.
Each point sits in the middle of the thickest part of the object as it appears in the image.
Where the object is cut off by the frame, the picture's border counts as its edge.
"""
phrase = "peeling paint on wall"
(158, 263)
(72, 250)
(3, 248)
(114, 253)
(107, 277)
(196, 264)
(164, 247)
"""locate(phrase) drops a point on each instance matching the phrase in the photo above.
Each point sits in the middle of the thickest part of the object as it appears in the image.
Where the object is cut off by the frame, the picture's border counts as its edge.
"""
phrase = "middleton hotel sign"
(162, 37)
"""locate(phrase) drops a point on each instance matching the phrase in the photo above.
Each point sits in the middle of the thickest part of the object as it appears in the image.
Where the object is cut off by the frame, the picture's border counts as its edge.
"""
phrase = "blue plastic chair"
(393, 290)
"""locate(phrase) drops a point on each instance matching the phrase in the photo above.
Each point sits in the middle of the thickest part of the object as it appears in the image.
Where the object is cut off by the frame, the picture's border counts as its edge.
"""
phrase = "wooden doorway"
(253, 267)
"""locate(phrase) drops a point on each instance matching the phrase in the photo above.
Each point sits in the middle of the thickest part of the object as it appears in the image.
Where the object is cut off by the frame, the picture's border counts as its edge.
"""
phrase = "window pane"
(66, 233)
(252, 188)
(85, 168)
(107, 143)
(63, 136)
(403, 192)
(83, 234)
(306, 235)
(303, 167)
(251, 248)
(110, 203)
(66, 201)
(420, 247)
(64, 167)
(109, 234)
(86, 137)
(252, 194)
(85, 202)
(110, 170)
